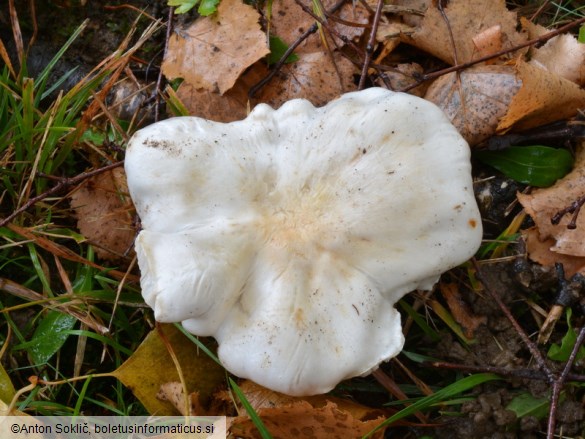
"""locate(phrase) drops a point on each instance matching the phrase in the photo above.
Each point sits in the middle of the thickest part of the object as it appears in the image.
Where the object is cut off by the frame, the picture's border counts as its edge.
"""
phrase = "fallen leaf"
(403, 76)
(389, 34)
(104, 214)
(151, 366)
(466, 20)
(289, 22)
(302, 420)
(543, 98)
(260, 397)
(564, 56)
(214, 51)
(539, 251)
(173, 393)
(533, 30)
(488, 41)
(7, 390)
(460, 310)
(410, 12)
(6, 421)
(487, 92)
(549, 243)
(314, 77)
(543, 204)
(229, 107)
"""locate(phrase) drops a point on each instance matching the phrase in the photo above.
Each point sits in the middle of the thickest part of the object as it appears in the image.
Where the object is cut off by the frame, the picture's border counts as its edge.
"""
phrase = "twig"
(560, 382)
(530, 374)
(448, 24)
(540, 40)
(574, 208)
(63, 183)
(371, 44)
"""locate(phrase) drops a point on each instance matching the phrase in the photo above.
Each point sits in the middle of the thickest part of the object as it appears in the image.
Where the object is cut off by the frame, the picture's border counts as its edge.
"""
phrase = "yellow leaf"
(151, 366)
(7, 391)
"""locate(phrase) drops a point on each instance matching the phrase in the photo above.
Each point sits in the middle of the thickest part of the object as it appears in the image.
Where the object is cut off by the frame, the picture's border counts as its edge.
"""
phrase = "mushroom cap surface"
(290, 235)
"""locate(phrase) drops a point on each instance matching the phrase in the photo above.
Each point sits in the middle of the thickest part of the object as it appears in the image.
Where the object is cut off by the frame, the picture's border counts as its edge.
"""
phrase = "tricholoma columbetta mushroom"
(290, 235)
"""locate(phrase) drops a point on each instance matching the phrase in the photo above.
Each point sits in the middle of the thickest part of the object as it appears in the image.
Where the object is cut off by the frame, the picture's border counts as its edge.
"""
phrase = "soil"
(517, 281)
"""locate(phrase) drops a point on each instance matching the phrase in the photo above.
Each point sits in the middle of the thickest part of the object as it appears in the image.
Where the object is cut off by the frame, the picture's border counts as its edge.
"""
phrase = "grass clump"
(63, 316)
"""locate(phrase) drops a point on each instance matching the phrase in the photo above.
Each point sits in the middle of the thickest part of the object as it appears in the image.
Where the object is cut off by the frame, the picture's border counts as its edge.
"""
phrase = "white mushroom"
(290, 235)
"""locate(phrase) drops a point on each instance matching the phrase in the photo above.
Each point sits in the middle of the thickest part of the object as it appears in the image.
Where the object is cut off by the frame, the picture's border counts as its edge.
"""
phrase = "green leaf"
(581, 37)
(562, 352)
(534, 165)
(527, 405)
(182, 5)
(277, 50)
(208, 7)
(49, 336)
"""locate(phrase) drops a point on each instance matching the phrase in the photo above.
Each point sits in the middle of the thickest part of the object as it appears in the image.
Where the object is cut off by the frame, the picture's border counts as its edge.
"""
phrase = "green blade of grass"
(443, 394)
(264, 433)
(44, 75)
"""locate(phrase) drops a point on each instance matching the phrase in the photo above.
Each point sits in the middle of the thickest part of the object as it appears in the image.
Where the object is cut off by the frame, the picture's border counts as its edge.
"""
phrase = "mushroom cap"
(290, 235)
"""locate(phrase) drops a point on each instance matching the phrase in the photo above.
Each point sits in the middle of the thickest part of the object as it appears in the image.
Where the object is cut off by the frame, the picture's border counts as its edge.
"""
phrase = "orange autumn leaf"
(214, 51)
(302, 420)
(543, 98)
(464, 20)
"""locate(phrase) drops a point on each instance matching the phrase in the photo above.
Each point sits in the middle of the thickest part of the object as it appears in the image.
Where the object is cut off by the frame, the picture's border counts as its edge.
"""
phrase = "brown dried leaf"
(488, 41)
(467, 19)
(540, 251)
(261, 397)
(543, 98)
(404, 76)
(289, 22)
(104, 214)
(389, 34)
(232, 106)
(313, 77)
(410, 12)
(564, 56)
(302, 420)
(460, 310)
(543, 204)
(214, 51)
(173, 393)
(487, 91)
